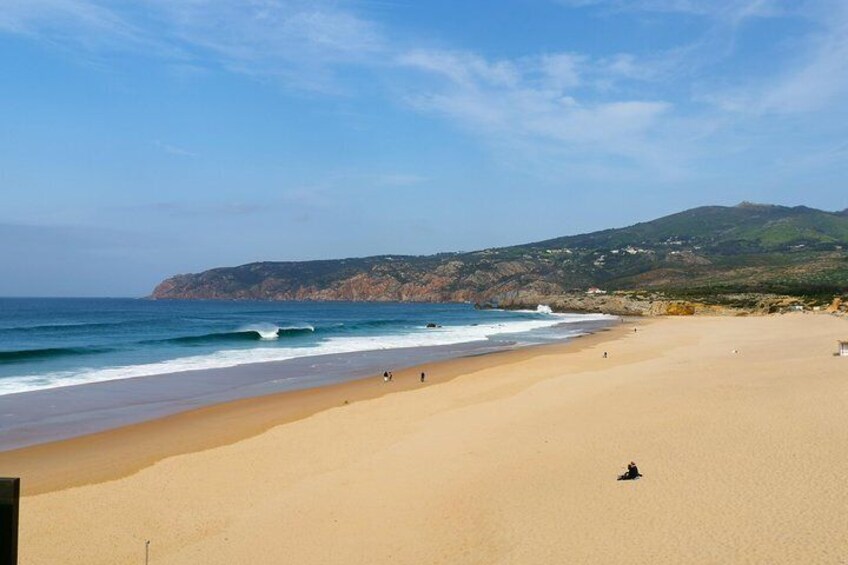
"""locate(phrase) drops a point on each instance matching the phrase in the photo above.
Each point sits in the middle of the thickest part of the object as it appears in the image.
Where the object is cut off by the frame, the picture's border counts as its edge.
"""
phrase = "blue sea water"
(50, 343)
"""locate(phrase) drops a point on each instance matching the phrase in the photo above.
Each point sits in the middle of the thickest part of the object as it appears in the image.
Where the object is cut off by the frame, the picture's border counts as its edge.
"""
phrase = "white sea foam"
(562, 317)
(271, 332)
(446, 335)
(265, 331)
(306, 328)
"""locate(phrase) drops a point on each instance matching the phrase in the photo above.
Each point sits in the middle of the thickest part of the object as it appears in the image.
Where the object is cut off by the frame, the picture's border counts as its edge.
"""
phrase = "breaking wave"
(257, 332)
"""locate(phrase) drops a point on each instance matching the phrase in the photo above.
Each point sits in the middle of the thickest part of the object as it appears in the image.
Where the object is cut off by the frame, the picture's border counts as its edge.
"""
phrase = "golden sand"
(739, 425)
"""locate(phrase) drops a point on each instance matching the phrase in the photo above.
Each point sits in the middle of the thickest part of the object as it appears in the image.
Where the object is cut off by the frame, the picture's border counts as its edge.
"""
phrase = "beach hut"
(843, 348)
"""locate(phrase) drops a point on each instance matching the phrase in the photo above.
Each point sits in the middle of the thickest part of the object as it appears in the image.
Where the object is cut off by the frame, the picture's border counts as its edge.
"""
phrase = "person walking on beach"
(423, 376)
(605, 354)
(385, 376)
(390, 376)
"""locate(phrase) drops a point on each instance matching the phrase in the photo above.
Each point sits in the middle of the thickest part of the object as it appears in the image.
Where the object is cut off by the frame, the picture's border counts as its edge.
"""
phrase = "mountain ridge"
(715, 250)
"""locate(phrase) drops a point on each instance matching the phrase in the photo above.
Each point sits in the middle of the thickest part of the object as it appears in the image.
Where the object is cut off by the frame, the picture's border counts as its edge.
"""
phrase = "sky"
(140, 139)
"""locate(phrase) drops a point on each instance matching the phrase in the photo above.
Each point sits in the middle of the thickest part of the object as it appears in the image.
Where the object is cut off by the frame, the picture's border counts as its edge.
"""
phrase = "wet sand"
(740, 426)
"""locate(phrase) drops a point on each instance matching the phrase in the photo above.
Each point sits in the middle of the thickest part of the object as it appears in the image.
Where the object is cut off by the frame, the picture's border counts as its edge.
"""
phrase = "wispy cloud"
(295, 40)
(298, 41)
(174, 150)
(727, 10)
(814, 78)
(61, 17)
(81, 26)
(539, 102)
(647, 112)
(730, 113)
(814, 73)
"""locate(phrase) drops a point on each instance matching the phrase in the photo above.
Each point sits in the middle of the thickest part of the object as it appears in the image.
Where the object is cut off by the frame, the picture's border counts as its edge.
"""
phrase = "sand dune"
(512, 461)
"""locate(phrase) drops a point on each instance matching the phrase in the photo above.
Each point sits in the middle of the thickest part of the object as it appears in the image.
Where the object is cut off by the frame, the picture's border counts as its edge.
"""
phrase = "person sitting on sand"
(631, 474)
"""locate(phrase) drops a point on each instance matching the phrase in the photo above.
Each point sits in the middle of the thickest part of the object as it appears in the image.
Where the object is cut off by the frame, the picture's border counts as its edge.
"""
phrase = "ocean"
(71, 366)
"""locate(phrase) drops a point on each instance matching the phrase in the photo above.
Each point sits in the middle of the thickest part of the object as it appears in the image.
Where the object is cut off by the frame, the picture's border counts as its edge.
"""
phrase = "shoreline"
(95, 400)
(120, 451)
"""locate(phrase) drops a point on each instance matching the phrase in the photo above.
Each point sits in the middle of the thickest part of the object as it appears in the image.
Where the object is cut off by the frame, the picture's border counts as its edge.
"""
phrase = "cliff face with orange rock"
(716, 260)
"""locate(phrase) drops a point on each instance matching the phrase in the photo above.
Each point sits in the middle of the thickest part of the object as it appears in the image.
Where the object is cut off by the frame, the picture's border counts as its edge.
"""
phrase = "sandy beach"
(739, 425)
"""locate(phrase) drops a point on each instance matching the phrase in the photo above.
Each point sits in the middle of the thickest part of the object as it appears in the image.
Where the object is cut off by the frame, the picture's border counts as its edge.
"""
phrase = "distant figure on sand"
(391, 376)
(632, 473)
(605, 354)
(385, 376)
(423, 376)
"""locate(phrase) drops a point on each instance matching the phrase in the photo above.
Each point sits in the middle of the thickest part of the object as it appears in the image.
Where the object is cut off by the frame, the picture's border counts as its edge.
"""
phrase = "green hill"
(707, 252)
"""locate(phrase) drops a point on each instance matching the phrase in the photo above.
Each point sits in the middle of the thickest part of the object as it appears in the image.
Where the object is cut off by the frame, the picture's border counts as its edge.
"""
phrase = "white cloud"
(296, 40)
(82, 24)
(728, 10)
(268, 31)
(814, 77)
(562, 70)
(461, 67)
(35, 16)
(814, 73)
(563, 107)
(822, 76)
(538, 104)
(174, 150)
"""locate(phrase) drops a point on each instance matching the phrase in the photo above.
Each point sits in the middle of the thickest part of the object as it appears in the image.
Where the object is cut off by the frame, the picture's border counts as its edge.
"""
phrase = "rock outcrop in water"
(748, 258)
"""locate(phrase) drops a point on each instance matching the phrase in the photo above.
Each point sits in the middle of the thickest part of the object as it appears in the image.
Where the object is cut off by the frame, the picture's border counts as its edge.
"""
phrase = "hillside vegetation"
(714, 254)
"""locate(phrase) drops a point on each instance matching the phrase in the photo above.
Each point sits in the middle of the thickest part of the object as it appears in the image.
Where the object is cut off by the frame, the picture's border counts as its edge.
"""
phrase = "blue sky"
(143, 139)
